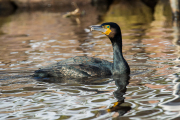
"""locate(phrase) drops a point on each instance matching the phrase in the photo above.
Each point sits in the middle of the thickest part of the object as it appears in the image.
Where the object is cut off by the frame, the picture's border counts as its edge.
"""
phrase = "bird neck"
(119, 63)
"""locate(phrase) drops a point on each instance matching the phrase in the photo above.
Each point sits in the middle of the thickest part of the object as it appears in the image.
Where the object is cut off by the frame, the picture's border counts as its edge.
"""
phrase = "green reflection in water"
(99, 100)
(72, 91)
(129, 13)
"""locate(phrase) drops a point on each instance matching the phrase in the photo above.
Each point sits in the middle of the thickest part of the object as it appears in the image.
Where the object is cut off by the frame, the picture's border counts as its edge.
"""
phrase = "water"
(32, 39)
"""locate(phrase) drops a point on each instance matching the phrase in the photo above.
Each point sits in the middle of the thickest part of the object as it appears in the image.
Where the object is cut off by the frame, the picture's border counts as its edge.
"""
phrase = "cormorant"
(81, 66)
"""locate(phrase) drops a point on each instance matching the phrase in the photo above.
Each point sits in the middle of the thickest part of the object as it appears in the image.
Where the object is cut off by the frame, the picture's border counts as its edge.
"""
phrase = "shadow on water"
(7, 8)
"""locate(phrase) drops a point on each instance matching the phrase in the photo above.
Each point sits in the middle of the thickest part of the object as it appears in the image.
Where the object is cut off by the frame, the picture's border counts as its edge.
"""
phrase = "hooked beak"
(98, 28)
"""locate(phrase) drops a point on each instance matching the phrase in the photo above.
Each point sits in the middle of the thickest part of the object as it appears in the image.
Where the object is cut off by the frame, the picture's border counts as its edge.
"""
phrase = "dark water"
(32, 39)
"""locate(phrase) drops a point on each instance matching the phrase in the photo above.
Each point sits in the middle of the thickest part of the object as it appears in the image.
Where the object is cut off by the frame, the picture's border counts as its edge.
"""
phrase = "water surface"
(33, 39)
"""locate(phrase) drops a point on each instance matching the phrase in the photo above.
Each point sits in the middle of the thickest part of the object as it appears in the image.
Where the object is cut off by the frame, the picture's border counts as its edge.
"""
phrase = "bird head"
(110, 29)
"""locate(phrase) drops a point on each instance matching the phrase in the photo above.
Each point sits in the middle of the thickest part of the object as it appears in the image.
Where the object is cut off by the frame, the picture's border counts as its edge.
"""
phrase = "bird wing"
(77, 67)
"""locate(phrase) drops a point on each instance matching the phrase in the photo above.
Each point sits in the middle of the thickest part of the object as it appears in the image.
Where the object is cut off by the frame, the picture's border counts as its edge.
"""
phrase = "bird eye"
(107, 26)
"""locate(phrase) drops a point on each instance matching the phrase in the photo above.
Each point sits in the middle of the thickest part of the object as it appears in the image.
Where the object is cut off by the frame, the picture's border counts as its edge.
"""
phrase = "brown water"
(33, 39)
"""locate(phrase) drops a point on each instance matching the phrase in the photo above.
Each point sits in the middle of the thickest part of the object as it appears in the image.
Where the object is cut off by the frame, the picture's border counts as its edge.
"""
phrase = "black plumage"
(82, 66)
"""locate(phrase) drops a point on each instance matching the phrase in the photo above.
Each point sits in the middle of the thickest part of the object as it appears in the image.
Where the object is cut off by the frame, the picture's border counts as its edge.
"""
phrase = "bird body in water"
(82, 66)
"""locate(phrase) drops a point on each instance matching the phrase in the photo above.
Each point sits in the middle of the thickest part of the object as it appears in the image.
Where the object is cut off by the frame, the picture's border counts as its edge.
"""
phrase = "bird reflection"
(121, 81)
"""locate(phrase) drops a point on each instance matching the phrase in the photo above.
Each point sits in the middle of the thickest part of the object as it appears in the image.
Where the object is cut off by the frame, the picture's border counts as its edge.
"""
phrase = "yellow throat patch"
(108, 30)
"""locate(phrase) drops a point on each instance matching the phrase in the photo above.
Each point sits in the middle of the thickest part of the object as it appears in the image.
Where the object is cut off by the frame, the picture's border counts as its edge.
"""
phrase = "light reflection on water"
(32, 40)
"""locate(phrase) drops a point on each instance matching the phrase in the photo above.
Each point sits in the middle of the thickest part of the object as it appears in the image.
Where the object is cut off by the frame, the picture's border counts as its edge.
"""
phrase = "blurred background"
(35, 33)
(26, 25)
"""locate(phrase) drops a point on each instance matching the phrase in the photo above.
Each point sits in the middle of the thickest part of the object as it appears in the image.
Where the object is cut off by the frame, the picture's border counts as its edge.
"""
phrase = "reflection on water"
(32, 39)
(121, 81)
